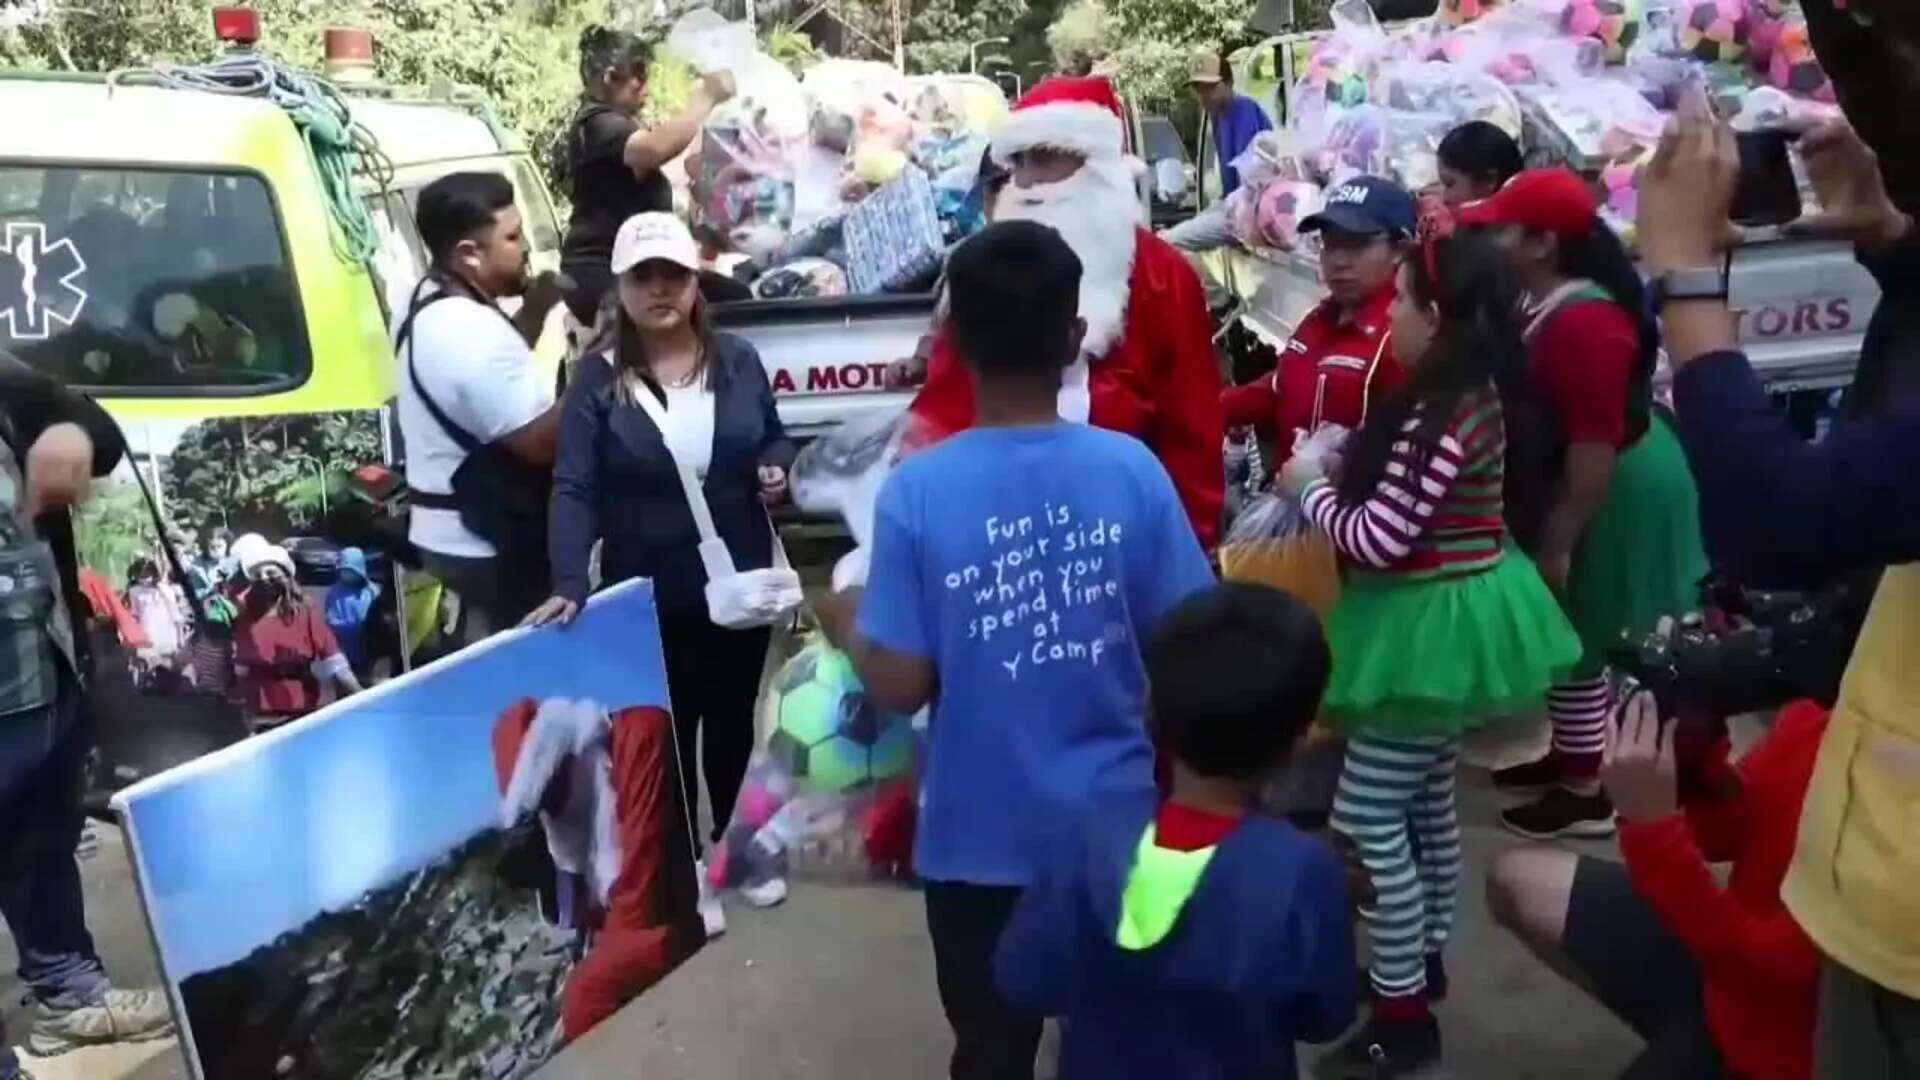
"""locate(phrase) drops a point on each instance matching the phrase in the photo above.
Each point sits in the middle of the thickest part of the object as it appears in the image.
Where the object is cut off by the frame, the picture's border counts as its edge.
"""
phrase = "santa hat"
(1076, 114)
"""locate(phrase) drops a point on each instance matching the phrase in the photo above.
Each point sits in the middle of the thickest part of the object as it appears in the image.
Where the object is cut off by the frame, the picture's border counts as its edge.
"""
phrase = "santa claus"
(1147, 368)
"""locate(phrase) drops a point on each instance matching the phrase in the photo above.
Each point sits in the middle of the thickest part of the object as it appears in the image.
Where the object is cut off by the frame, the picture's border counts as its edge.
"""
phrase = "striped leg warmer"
(1579, 711)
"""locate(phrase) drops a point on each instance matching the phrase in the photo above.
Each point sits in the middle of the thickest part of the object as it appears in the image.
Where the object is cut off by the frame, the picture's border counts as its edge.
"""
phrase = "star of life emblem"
(38, 290)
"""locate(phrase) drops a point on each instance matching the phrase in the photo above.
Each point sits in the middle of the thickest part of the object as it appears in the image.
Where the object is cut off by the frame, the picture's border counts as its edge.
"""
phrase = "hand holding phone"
(1639, 770)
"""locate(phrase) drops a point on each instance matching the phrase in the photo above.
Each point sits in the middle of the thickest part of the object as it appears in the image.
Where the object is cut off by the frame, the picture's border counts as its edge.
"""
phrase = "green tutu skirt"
(1641, 557)
(1439, 656)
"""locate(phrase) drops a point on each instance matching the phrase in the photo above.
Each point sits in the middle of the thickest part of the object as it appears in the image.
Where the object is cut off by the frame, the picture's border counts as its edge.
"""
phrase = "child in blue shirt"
(1014, 567)
(1198, 938)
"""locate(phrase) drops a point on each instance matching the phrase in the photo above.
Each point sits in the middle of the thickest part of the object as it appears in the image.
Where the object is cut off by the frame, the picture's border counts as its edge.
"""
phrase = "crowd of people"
(1107, 718)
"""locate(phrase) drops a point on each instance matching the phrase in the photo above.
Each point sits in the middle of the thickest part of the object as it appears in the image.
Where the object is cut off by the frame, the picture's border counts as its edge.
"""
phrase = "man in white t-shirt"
(476, 365)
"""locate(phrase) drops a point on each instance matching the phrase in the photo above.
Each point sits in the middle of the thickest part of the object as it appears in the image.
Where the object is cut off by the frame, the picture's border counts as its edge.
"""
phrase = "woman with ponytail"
(610, 164)
(1442, 625)
(1620, 543)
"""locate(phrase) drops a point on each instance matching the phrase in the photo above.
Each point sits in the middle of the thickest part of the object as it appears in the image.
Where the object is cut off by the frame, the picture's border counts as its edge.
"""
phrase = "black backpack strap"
(460, 436)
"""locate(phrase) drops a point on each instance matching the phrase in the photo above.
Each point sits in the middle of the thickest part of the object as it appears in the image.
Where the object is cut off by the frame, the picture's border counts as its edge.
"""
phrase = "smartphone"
(1768, 194)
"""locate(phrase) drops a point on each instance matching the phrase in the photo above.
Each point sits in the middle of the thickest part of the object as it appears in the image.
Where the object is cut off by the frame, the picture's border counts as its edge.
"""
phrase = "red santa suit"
(605, 786)
(1148, 366)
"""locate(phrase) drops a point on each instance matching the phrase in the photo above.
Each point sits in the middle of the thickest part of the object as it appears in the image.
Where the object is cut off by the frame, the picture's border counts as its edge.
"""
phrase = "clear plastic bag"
(1272, 543)
(830, 791)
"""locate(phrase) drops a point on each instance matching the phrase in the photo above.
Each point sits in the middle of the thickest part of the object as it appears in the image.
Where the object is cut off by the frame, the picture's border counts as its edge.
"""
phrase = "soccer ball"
(1795, 69)
(1714, 31)
(827, 735)
(1615, 24)
(1461, 12)
(1282, 206)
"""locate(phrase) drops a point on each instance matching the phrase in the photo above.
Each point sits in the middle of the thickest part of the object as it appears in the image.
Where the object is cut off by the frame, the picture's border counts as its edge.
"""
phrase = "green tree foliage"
(279, 473)
(113, 529)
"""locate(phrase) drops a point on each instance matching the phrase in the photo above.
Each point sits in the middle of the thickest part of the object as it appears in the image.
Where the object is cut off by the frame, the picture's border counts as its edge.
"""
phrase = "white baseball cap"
(654, 236)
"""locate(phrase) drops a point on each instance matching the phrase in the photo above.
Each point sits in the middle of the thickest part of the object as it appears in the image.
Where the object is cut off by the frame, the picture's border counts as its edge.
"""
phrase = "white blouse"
(689, 433)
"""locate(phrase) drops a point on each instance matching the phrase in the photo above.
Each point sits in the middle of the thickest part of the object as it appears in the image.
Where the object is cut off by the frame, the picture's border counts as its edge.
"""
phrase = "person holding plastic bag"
(1621, 543)
(612, 164)
(670, 446)
(1015, 568)
(1442, 625)
(1340, 360)
(1236, 119)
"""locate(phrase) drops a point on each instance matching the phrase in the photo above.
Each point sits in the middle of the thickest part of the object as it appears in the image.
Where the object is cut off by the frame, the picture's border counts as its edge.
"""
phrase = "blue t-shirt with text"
(1026, 563)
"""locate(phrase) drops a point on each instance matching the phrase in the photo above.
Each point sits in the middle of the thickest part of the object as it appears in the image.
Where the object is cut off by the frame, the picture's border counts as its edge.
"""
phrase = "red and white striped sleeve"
(1380, 531)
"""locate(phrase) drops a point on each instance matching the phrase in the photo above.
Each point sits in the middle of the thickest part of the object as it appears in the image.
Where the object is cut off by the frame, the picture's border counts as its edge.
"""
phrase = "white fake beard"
(1096, 212)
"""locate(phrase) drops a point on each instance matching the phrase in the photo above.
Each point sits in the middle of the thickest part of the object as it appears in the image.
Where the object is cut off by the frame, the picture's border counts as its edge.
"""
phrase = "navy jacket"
(614, 481)
(1260, 956)
(1781, 513)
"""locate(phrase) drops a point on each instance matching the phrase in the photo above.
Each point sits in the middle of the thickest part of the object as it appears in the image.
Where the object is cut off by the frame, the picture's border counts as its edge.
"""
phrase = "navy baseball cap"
(1366, 205)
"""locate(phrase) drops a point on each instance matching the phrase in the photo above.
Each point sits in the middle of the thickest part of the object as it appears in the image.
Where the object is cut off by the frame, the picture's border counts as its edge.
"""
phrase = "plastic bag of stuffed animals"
(1272, 543)
(830, 792)
(840, 474)
(809, 278)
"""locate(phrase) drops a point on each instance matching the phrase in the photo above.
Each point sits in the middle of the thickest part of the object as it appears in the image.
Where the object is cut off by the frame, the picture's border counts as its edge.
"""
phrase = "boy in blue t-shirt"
(1197, 937)
(1013, 568)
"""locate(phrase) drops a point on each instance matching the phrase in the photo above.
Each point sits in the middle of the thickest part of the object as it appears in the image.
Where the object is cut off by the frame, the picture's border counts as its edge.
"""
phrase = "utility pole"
(899, 41)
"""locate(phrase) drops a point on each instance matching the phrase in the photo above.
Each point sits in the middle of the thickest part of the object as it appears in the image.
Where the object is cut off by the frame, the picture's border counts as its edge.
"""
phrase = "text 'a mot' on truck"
(176, 253)
(1802, 305)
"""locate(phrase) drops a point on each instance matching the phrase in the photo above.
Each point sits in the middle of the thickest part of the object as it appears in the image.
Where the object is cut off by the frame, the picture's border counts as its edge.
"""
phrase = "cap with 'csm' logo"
(1366, 205)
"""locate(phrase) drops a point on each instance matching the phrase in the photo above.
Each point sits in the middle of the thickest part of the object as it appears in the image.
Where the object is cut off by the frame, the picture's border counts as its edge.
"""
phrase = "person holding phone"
(1620, 543)
(1782, 513)
(617, 481)
(1718, 980)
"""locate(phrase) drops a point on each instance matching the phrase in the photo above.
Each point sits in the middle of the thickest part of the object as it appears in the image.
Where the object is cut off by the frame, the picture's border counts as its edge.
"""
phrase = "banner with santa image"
(452, 874)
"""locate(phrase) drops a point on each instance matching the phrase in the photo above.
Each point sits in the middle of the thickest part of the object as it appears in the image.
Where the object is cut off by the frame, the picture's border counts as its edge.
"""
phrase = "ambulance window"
(132, 281)
(542, 232)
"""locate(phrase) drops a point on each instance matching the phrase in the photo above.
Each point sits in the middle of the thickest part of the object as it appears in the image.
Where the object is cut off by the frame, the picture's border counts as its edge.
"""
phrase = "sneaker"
(1561, 813)
(769, 893)
(1533, 776)
(1386, 1050)
(119, 1016)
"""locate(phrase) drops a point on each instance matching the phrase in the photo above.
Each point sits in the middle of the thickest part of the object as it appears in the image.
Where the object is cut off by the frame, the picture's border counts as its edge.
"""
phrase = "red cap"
(1541, 200)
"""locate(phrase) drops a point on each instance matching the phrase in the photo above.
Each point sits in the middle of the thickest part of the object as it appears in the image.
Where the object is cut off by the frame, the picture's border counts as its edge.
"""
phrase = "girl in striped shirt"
(1442, 624)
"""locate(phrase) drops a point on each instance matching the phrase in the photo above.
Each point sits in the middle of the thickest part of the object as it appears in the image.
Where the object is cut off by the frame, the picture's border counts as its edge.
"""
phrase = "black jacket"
(614, 481)
(34, 403)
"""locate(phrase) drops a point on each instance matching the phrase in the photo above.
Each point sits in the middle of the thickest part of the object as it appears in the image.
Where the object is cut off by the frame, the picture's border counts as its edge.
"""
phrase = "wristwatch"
(1698, 283)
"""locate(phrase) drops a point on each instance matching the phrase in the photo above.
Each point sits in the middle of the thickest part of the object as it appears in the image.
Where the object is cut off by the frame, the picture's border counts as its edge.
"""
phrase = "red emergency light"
(238, 26)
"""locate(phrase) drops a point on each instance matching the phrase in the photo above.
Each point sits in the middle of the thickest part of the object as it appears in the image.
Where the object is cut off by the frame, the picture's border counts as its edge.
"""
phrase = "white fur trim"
(1090, 130)
(551, 738)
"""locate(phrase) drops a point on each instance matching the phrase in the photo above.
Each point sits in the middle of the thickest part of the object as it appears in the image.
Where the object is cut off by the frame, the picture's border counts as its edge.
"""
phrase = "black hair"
(1013, 299)
(1601, 258)
(1235, 673)
(1476, 347)
(1226, 69)
(605, 51)
(458, 206)
(1481, 151)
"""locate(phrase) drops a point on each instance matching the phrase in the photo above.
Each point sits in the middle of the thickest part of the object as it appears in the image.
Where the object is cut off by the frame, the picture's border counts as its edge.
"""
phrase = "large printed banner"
(417, 881)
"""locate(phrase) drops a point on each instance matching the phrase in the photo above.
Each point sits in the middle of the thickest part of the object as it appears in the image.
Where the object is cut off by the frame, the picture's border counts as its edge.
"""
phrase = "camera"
(1748, 650)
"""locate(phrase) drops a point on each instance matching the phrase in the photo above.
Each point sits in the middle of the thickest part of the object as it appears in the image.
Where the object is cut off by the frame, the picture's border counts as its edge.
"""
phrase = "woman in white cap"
(616, 481)
(282, 647)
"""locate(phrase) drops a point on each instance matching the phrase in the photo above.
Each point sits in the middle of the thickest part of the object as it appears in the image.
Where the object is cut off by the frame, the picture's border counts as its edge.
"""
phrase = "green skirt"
(1439, 656)
(1641, 557)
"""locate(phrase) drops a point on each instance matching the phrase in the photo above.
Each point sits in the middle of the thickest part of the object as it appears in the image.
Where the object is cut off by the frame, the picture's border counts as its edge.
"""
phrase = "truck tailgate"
(1803, 310)
(827, 358)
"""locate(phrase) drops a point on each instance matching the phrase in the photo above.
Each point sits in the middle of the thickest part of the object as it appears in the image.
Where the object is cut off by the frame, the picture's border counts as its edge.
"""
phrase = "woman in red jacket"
(1720, 981)
(1340, 358)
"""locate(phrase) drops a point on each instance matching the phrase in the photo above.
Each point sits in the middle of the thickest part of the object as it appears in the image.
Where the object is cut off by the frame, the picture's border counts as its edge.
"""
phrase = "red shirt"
(1187, 828)
(275, 655)
(1581, 361)
(1760, 971)
(1331, 371)
(1159, 383)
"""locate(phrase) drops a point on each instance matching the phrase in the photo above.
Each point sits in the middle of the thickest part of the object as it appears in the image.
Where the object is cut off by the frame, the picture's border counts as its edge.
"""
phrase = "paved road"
(838, 985)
